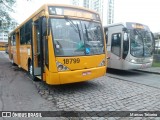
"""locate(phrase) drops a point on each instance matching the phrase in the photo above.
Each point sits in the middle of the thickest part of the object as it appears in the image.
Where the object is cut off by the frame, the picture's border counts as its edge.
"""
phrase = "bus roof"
(129, 25)
(45, 7)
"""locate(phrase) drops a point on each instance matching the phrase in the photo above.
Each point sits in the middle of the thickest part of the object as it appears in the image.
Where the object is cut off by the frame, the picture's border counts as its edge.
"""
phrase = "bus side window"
(46, 53)
(28, 31)
(13, 39)
(106, 36)
(22, 38)
(125, 45)
(116, 44)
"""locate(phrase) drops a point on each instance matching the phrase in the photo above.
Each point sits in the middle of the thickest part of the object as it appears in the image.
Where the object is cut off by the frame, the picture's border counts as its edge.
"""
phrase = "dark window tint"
(28, 29)
(116, 44)
(22, 33)
(13, 39)
(46, 53)
(25, 33)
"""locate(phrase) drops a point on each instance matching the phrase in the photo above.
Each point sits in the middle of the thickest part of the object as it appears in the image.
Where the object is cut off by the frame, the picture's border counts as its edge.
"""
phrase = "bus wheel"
(12, 61)
(30, 71)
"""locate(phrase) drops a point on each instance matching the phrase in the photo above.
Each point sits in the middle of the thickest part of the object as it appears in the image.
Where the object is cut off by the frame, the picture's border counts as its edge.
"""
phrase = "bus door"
(116, 49)
(18, 46)
(37, 50)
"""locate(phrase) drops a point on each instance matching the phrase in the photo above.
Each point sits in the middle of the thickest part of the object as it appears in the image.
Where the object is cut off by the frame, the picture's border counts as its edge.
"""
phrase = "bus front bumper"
(130, 65)
(75, 76)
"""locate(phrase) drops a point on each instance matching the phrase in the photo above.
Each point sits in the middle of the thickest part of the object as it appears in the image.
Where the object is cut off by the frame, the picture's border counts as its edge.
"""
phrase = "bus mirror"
(106, 39)
(44, 26)
(124, 29)
(154, 38)
(125, 36)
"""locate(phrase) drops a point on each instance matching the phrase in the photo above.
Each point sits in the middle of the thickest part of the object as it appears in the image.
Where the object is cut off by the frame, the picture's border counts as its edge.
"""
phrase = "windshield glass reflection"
(76, 37)
(141, 43)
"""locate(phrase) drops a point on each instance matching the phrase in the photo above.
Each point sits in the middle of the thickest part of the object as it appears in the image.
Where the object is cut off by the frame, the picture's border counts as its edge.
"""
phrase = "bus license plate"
(86, 73)
(143, 66)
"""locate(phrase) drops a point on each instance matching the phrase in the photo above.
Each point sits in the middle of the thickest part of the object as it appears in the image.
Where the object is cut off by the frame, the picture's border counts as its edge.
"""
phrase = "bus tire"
(12, 61)
(30, 71)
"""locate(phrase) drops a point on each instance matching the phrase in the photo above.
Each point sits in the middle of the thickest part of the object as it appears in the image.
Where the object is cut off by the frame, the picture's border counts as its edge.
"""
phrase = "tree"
(6, 6)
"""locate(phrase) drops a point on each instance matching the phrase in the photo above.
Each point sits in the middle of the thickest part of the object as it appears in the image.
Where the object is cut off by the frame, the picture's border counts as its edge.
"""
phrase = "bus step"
(39, 77)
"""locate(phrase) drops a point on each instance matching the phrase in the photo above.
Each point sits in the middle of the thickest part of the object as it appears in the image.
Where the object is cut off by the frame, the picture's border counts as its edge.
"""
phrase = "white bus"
(129, 45)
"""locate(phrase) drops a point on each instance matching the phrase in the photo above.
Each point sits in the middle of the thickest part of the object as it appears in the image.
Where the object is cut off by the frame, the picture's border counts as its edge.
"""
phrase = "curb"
(158, 73)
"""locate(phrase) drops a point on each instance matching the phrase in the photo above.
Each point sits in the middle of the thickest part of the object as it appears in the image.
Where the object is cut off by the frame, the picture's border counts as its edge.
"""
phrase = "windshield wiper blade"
(86, 32)
(76, 28)
(79, 32)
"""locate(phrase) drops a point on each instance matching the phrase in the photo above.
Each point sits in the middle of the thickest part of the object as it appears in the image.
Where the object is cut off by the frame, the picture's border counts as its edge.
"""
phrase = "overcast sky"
(141, 11)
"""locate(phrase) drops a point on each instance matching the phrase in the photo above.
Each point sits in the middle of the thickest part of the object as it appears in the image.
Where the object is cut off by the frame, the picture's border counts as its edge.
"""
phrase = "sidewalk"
(154, 70)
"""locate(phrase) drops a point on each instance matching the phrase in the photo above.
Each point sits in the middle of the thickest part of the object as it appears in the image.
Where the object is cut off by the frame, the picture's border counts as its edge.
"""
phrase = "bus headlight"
(61, 67)
(151, 60)
(133, 61)
(102, 63)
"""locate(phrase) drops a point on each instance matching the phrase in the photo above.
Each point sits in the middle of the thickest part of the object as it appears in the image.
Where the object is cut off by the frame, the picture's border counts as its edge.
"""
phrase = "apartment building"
(104, 7)
(3, 36)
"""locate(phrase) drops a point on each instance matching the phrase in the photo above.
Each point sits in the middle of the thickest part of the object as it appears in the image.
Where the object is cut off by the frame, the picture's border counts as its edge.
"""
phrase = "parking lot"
(20, 93)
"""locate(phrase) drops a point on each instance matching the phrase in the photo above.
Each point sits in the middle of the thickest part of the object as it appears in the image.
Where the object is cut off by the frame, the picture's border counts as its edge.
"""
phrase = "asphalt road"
(17, 91)
(107, 93)
(148, 79)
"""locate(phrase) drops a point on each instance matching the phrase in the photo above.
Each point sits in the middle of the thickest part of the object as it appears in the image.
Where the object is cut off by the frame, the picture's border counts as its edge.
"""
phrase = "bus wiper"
(86, 32)
(79, 32)
(76, 28)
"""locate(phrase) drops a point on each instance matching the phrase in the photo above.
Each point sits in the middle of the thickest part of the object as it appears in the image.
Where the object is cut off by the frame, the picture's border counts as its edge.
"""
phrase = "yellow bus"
(3, 39)
(60, 44)
(2, 46)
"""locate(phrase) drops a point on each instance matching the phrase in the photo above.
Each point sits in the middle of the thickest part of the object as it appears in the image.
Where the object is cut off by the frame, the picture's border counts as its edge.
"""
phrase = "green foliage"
(6, 6)
(156, 64)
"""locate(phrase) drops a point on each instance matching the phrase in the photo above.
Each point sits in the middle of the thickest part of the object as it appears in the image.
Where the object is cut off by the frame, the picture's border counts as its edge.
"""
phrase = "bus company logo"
(6, 114)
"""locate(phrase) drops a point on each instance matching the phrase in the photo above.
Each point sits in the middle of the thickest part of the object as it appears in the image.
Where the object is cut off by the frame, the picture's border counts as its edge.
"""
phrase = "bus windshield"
(141, 43)
(73, 37)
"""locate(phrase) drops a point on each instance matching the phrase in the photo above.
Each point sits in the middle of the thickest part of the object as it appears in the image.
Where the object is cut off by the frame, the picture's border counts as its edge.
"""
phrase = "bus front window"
(141, 43)
(76, 38)
(148, 44)
(93, 37)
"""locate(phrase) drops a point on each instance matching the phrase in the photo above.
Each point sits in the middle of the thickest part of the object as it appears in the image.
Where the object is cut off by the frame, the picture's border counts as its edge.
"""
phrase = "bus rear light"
(61, 67)
(102, 63)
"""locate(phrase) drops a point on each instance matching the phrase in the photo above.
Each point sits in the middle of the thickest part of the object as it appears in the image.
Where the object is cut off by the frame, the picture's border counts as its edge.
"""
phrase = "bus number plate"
(143, 66)
(86, 73)
(71, 61)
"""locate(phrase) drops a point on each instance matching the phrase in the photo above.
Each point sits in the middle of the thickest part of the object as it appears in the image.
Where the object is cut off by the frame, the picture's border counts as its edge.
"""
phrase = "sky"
(142, 11)
(24, 8)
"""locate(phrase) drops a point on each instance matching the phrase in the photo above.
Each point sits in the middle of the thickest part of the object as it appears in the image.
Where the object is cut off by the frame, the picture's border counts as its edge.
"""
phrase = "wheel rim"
(12, 61)
(30, 69)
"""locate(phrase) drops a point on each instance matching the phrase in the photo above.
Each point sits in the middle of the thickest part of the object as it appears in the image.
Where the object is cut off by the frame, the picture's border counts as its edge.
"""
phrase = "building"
(3, 39)
(3, 36)
(104, 7)
(83, 3)
(5, 28)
